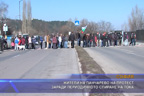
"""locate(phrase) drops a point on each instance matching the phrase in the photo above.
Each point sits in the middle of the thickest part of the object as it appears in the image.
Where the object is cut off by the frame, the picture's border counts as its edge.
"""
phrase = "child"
(12, 44)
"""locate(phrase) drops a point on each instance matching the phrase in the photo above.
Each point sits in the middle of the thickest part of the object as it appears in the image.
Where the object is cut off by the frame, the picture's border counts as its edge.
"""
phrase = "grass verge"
(89, 66)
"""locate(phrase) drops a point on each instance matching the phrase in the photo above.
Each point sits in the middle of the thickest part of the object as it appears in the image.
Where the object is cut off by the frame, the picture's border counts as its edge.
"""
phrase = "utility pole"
(19, 10)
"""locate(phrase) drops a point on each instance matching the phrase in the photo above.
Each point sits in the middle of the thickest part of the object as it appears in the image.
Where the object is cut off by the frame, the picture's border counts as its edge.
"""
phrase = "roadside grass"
(89, 66)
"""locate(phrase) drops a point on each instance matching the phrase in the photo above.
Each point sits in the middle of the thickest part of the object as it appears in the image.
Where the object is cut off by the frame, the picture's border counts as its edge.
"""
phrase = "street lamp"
(19, 9)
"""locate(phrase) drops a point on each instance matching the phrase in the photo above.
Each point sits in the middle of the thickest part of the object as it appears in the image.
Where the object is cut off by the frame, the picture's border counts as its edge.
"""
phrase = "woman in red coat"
(19, 41)
(95, 40)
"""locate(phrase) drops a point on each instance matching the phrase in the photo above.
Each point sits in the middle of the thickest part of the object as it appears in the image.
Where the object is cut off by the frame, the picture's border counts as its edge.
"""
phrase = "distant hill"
(39, 27)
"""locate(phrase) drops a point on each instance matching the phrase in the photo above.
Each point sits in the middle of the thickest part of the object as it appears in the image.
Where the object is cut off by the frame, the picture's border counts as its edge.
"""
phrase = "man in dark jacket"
(26, 42)
(84, 40)
(33, 42)
(1, 44)
(72, 38)
(79, 39)
(110, 39)
(103, 39)
(115, 39)
(41, 41)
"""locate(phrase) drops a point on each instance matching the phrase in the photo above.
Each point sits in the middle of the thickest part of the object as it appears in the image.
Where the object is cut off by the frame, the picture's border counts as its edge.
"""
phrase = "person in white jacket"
(60, 40)
(30, 42)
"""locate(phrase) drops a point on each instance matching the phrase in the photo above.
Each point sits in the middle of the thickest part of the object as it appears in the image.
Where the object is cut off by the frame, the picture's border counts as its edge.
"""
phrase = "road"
(38, 64)
(123, 59)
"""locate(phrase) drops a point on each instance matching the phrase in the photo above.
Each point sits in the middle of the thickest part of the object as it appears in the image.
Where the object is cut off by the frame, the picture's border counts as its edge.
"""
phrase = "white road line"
(16, 56)
(131, 52)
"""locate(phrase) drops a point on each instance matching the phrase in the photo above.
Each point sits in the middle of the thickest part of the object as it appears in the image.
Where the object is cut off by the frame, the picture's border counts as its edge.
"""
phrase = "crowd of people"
(107, 39)
(47, 41)
(66, 41)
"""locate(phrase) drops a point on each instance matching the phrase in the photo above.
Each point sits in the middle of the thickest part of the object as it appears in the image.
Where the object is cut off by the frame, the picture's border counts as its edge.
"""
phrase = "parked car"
(25, 35)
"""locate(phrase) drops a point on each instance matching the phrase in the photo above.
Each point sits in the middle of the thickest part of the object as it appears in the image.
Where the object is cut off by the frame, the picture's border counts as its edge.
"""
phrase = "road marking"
(16, 56)
(138, 55)
(131, 52)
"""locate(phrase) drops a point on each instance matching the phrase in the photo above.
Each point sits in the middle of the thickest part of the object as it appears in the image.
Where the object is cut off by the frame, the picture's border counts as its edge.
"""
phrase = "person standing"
(120, 39)
(30, 42)
(60, 40)
(99, 39)
(41, 41)
(107, 40)
(95, 41)
(115, 39)
(26, 42)
(84, 40)
(72, 38)
(125, 39)
(23, 41)
(110, 39)
(103, 40)
(54, 40)
(12, 42)
(1, 45)
(134, 39)
(79, 39)
(16, 43)
(45, 41)
(50, 41)
(20, 41)
(91, 40)
(33, 42)
(65, 41)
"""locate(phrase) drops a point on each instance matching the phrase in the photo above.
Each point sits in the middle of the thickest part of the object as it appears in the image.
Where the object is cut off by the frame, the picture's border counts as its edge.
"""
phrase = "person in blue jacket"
(41, 41)
(16, 43)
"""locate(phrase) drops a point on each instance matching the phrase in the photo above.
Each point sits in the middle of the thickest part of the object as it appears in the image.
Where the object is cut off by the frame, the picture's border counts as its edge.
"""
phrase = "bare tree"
(105, 26)
(70, 25)
(136, 20)
(64, 29)
(29, 17)
(84, 22)
(24, 18)
(124, 27)
(92, 27)
(3, 9)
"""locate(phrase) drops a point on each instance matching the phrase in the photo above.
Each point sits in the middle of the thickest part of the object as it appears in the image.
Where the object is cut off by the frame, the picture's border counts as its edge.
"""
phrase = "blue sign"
(76, 23)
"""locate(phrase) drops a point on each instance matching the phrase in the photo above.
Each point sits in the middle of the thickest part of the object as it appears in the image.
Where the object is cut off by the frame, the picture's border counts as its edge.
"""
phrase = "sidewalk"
(140, 43)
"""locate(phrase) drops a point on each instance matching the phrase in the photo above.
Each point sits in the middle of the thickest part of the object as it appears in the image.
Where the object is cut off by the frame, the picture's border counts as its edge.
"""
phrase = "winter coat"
(72, 37)
(54, 40)
(16, 40)
(23, 41)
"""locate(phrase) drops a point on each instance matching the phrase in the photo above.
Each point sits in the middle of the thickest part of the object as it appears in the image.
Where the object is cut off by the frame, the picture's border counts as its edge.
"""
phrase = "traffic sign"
(5, 27)
(77, 23)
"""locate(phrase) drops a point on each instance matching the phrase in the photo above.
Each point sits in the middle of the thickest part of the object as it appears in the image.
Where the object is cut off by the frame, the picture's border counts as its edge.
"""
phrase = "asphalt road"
(39, 64)
(123, 59)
